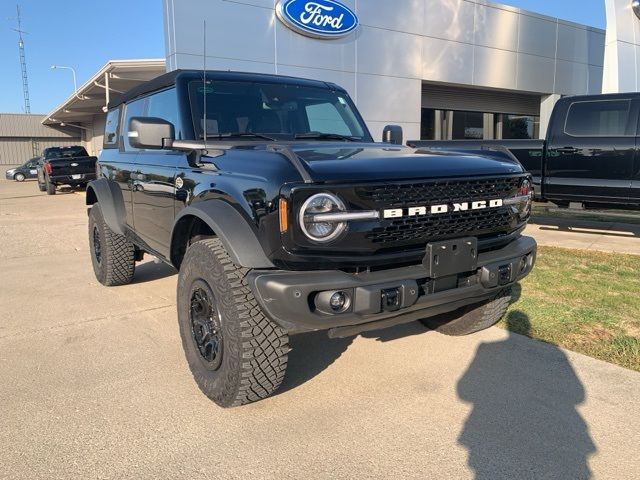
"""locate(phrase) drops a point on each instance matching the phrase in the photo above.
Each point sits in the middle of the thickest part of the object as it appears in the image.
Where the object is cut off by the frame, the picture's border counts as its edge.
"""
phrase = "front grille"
(460, 224)
(421, 229)
(437, 192)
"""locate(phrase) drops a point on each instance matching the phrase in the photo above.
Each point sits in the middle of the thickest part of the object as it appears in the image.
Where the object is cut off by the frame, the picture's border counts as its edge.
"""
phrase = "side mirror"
(150, 133)
(392, 134)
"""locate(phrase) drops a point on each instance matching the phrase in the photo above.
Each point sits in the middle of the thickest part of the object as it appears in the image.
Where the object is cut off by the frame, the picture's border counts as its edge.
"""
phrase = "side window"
(604, 118)
(133, 109)
(164, 105)
(325, 118)
(111, 129)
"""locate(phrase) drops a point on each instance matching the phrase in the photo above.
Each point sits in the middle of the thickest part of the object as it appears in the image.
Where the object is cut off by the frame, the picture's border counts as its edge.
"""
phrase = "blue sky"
(85, 34)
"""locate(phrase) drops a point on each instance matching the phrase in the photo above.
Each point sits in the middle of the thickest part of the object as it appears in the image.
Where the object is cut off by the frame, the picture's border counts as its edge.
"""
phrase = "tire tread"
(473, 318)
(118, 253)
(259, 364)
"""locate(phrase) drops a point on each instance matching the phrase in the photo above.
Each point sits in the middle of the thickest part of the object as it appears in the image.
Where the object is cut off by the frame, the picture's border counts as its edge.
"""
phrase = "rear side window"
(604, 118)
(111, 129)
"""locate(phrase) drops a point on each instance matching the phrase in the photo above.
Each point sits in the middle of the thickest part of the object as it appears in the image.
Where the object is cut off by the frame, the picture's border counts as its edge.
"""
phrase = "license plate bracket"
(451, 257)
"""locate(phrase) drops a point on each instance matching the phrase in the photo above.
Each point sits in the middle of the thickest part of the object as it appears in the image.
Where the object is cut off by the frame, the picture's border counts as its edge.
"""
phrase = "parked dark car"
(27, 170)
(65, 166)
(590, 154)
(282, 215)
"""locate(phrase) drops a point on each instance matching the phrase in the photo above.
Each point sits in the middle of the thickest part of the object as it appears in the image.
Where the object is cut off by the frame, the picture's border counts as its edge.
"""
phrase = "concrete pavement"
(93, 384)
(586, 235)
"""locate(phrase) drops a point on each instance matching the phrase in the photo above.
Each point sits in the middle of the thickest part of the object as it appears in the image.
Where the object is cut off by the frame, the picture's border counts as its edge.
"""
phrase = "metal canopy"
(115, 78)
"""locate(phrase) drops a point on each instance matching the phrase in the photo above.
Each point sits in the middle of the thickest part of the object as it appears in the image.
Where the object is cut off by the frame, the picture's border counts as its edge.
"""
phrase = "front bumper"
(9, 174)
(289, 298)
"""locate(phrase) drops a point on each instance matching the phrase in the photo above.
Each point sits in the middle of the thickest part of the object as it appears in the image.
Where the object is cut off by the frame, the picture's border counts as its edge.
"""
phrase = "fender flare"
(109, 196)
(234, 231)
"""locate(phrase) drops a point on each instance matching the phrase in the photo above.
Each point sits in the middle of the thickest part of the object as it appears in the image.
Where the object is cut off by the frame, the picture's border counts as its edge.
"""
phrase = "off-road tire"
(49, 187)
(253, 348)
(116, 264)
(41, 187)
(19, 177)
(472, 318)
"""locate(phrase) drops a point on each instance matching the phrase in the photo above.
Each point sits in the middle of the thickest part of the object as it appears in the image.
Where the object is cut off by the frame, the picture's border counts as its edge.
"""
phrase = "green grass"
(588, 302)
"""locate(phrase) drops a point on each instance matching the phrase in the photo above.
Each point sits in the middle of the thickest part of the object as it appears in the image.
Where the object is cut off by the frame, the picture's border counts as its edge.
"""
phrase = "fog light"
(524, 263)
(338, 301)
(334, 302)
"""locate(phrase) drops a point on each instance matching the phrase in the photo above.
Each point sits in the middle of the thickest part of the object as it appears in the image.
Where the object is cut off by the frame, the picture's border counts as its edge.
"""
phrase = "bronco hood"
(337, 162)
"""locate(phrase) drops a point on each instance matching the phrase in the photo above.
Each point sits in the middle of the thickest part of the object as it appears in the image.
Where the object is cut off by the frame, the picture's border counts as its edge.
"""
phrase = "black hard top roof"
(169, 79)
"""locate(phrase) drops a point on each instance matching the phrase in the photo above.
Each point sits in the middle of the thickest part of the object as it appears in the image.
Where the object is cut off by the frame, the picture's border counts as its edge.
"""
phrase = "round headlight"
(325, 230)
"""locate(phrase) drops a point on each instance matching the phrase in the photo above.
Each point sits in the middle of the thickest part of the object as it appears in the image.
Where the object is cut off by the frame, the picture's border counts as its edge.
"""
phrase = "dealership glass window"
(111, 128)
(519, 126)
(467, 126)
(133, 109)
(428, 124)
(600, 118)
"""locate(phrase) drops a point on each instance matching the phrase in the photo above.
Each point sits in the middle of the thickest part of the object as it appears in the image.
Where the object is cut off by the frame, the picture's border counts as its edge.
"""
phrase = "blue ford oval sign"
(317, 18)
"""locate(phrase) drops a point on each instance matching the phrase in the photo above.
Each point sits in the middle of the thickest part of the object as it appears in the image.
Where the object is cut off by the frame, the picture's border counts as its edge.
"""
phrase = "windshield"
(273, 111)
(65, 152)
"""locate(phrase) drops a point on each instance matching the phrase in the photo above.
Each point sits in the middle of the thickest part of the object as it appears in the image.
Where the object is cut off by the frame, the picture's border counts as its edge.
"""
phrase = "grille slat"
(425, 228)
(438, 192)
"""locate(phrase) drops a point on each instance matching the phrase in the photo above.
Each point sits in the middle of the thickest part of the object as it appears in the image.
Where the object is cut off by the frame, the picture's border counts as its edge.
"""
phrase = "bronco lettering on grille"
(440, 209)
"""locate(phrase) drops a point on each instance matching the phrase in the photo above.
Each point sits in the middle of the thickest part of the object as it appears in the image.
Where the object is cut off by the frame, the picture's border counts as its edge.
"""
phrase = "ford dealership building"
(442, 69)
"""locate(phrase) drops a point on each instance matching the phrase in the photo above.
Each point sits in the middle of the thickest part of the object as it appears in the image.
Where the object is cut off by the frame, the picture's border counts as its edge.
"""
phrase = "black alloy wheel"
(206, 325)
(97, 246)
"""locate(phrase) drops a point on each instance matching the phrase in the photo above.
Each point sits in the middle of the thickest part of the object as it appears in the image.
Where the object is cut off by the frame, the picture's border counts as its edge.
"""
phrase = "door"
(32, 168)
(154, 180)
(635, 181)
(125, 157)
(591, 157)
(154, 196)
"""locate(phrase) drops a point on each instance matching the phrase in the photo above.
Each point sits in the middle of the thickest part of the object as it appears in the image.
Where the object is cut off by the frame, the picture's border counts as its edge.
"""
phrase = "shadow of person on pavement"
(524, 423)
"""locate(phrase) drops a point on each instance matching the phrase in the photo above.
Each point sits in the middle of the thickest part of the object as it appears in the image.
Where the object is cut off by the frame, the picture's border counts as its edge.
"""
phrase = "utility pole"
(25, 80)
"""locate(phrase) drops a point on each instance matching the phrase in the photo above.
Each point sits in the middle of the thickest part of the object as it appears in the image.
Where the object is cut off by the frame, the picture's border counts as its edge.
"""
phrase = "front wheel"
(113, 256)
(19, 177)
(472, 318)
(236, 354)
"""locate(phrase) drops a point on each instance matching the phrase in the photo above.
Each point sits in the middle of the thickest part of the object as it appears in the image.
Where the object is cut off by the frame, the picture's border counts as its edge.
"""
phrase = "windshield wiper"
(324, 136)
(221, 136)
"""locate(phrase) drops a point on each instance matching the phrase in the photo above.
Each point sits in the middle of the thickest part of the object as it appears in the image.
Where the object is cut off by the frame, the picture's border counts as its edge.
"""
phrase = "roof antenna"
(204, 78)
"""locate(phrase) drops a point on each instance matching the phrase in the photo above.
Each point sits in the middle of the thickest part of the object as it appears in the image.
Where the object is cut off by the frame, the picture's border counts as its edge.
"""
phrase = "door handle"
(567, 150)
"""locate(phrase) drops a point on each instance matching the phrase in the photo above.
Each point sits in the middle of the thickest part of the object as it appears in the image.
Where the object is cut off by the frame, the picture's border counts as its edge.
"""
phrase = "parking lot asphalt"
(93, 384)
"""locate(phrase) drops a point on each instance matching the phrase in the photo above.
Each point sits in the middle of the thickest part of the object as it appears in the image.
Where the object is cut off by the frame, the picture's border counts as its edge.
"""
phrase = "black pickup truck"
(282, 215)
(590, 155)
(65, 166)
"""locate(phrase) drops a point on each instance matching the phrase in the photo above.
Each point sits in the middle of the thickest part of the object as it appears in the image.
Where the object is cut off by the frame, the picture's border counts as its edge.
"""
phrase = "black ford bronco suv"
(282, 215)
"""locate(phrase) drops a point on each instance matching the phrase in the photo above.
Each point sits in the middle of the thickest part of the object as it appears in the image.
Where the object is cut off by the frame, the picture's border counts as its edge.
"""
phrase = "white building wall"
(399, 44)
(622, 52)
